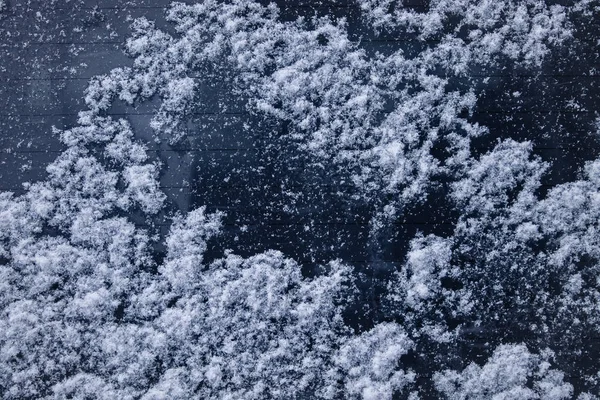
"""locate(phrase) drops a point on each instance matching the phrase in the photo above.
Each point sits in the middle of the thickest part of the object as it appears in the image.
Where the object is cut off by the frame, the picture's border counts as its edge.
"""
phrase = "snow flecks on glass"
(537, 256)
(90, 309)
(378, 117)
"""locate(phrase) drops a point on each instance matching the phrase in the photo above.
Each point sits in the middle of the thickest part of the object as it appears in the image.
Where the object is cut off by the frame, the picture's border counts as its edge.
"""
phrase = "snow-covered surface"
(310, 74)
(92, 308)
(505, 376)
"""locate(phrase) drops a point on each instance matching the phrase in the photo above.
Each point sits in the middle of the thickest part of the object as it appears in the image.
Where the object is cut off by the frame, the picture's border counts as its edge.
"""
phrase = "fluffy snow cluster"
(520, 30)
(516, 263)
(378, 117)
(505, 376)
(89, 310)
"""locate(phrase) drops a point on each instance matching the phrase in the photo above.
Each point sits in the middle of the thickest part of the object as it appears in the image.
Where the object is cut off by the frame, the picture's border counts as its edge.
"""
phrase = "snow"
(311, 74)
(505, 376)
(369, 363)
(89, 309)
